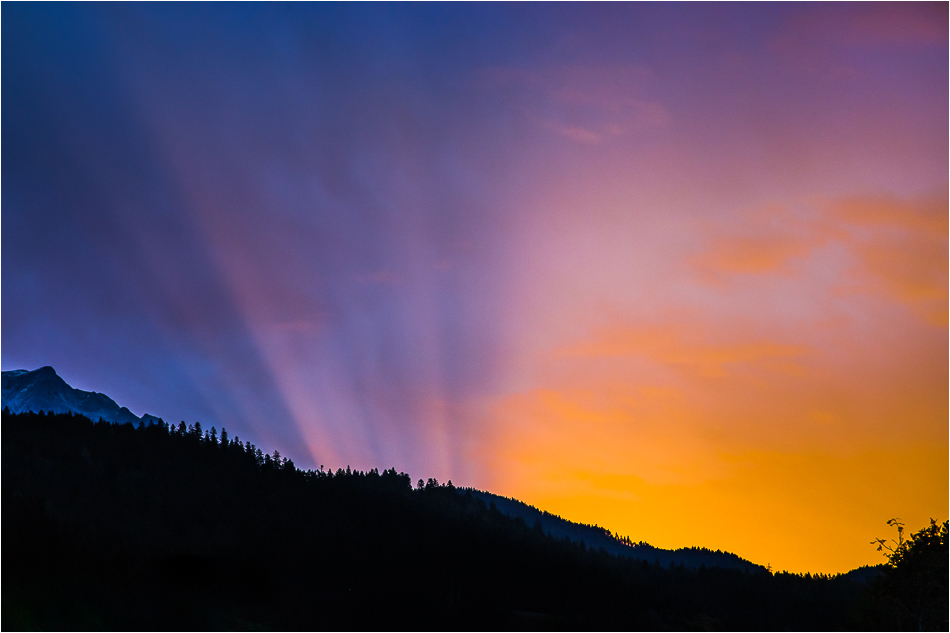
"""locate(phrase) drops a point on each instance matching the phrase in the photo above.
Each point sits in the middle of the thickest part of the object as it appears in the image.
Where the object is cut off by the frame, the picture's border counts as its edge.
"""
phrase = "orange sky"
(730, 322)
(775, 387)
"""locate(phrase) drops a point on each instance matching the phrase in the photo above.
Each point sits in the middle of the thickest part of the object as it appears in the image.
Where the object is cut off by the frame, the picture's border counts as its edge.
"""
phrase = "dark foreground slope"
(110, 527)
(601, 538)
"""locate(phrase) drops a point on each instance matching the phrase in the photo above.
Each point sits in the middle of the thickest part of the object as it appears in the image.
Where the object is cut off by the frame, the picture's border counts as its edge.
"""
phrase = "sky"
(679, 270)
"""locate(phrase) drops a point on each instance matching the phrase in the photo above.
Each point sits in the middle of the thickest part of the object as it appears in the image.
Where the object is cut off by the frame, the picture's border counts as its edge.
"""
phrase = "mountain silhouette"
(137, 525)
(43, 390)
(158, 527)
(601, 538)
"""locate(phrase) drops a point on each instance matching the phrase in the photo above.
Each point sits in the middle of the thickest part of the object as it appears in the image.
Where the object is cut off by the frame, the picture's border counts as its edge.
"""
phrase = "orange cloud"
(669, 345)
(761, 242)
(899, 248)
(902, 250)
(752, 254)
(913, 271)
(926, 215)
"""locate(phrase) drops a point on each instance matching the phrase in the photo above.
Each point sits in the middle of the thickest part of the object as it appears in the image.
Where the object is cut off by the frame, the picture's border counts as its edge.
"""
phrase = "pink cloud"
(762, 242)
(691, 349)
(899, 247)
(927, 215)
(585, 103)
(900, 23)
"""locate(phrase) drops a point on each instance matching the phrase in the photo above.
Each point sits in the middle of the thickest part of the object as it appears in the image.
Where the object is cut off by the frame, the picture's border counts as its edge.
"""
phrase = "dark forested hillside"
(113, 527)
(602, 538)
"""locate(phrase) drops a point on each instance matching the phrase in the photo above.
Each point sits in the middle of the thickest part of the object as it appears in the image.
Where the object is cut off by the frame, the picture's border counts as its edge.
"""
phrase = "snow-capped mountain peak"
(43, 390)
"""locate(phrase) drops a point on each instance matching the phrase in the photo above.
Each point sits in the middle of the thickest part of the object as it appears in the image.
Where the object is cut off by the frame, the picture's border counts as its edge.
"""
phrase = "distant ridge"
(601, 538)
(164, 528)
(43, 390)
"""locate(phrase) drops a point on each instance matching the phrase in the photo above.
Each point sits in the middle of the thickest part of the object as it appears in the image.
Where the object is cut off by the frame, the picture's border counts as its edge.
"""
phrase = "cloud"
(764, 241)
(832, 40)
(813, 33)
(916, 23)
(586, 103)
(898, 247)
(751, 254)
(575, 133)
(901, 247)
(671, 346)
(926, 215)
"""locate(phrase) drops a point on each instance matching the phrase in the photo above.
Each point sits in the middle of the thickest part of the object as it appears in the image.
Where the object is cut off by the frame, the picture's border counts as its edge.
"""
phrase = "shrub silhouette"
(912, 592)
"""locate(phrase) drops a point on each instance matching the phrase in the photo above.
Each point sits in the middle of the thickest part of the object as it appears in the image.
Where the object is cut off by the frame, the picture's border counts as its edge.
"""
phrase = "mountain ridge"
(597, 537)
(44, 390)
(158, 527)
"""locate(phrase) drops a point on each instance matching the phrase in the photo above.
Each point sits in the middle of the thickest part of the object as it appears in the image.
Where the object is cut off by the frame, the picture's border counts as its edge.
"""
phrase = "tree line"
(111, 527)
